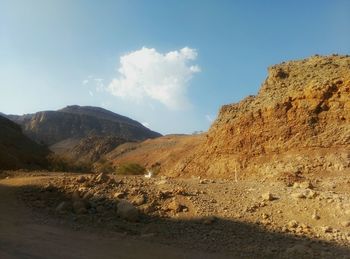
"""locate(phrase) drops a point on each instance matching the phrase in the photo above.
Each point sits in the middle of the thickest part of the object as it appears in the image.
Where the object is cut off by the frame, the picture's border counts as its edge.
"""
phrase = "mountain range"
(80, 132)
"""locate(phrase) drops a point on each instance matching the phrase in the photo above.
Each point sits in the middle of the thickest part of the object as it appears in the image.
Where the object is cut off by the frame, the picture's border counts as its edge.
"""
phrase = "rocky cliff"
(299, 121)
(17, 150)
(77, 122)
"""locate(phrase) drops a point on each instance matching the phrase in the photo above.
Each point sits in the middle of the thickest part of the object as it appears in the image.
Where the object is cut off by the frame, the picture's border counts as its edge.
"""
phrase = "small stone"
(296, 185)
(265, 216)
(346, 223)
(127, 211)
(162, 182)
(102, 178)
(306, 185)
(293, 224)
(298, 195)
(147, 208)
(267, 196)
(315, 215)
(138, 200)
(310, 194)
(111, 181)
(81, 179)
(49, 187)
(327, 229)
(119, 195)
(175, 206)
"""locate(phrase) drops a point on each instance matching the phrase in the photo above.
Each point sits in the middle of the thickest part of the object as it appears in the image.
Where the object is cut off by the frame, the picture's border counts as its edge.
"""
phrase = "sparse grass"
(130, 169)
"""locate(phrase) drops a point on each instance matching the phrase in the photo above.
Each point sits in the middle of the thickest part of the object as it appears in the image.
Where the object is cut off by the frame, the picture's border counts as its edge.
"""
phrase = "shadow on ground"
(221, 238)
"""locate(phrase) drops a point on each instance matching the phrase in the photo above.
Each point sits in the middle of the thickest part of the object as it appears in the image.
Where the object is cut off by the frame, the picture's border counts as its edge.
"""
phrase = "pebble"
(267, 196)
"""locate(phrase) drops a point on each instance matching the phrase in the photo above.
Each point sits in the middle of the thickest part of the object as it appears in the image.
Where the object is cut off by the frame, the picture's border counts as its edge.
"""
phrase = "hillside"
(51, 127)
(17, 150)
(66, 131)
(298, 122)
(161, 154)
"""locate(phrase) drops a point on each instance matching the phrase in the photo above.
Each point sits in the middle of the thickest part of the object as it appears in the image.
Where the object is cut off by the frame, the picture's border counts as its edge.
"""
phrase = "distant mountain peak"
(74, 121)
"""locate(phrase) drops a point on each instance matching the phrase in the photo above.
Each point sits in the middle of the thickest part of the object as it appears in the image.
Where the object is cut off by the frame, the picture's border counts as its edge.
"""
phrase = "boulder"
(127, 211)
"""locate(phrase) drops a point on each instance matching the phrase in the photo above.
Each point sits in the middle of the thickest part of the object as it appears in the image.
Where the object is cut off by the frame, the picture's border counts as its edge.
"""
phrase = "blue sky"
(168, 64)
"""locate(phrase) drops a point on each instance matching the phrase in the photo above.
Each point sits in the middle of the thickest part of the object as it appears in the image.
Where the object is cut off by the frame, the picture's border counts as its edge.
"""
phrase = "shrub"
(103, 166)
(60, 164)
(130, 169)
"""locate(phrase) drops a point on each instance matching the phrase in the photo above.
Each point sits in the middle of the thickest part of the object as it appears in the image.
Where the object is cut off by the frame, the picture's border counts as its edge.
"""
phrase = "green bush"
(130, 169)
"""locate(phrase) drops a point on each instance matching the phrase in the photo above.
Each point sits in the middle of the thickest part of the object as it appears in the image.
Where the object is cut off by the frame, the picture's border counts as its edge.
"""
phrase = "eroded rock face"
(300, 120)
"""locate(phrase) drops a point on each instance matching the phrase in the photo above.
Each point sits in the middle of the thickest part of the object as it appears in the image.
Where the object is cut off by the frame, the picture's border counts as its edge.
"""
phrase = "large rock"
(127, 211)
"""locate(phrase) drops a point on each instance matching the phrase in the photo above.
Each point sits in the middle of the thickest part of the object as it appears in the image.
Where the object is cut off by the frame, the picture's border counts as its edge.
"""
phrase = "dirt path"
(22, 236)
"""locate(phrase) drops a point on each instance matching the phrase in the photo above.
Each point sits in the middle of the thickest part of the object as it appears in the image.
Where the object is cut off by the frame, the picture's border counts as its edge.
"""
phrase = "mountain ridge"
(51, 127)
(70, 130)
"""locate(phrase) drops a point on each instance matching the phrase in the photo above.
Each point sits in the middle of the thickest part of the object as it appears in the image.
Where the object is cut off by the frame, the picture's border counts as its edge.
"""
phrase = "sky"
(169, 64)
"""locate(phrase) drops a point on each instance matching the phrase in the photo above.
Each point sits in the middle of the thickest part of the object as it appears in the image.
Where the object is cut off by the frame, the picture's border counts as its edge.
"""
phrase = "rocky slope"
(50, 127)
(160, 155)
(17, 150)
(298, 122)
(74, 129)
(92, 148)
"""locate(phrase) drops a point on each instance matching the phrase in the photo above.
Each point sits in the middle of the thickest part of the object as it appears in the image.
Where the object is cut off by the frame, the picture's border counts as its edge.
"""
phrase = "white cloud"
(85, 82)
(91, 93)
(146, 73)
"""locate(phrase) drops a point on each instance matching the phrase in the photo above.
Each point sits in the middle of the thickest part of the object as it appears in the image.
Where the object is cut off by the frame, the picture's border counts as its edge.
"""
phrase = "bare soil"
(294, 216)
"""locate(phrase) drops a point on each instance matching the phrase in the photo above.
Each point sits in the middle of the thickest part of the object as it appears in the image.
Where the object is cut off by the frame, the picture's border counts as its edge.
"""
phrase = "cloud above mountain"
(149, 74)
